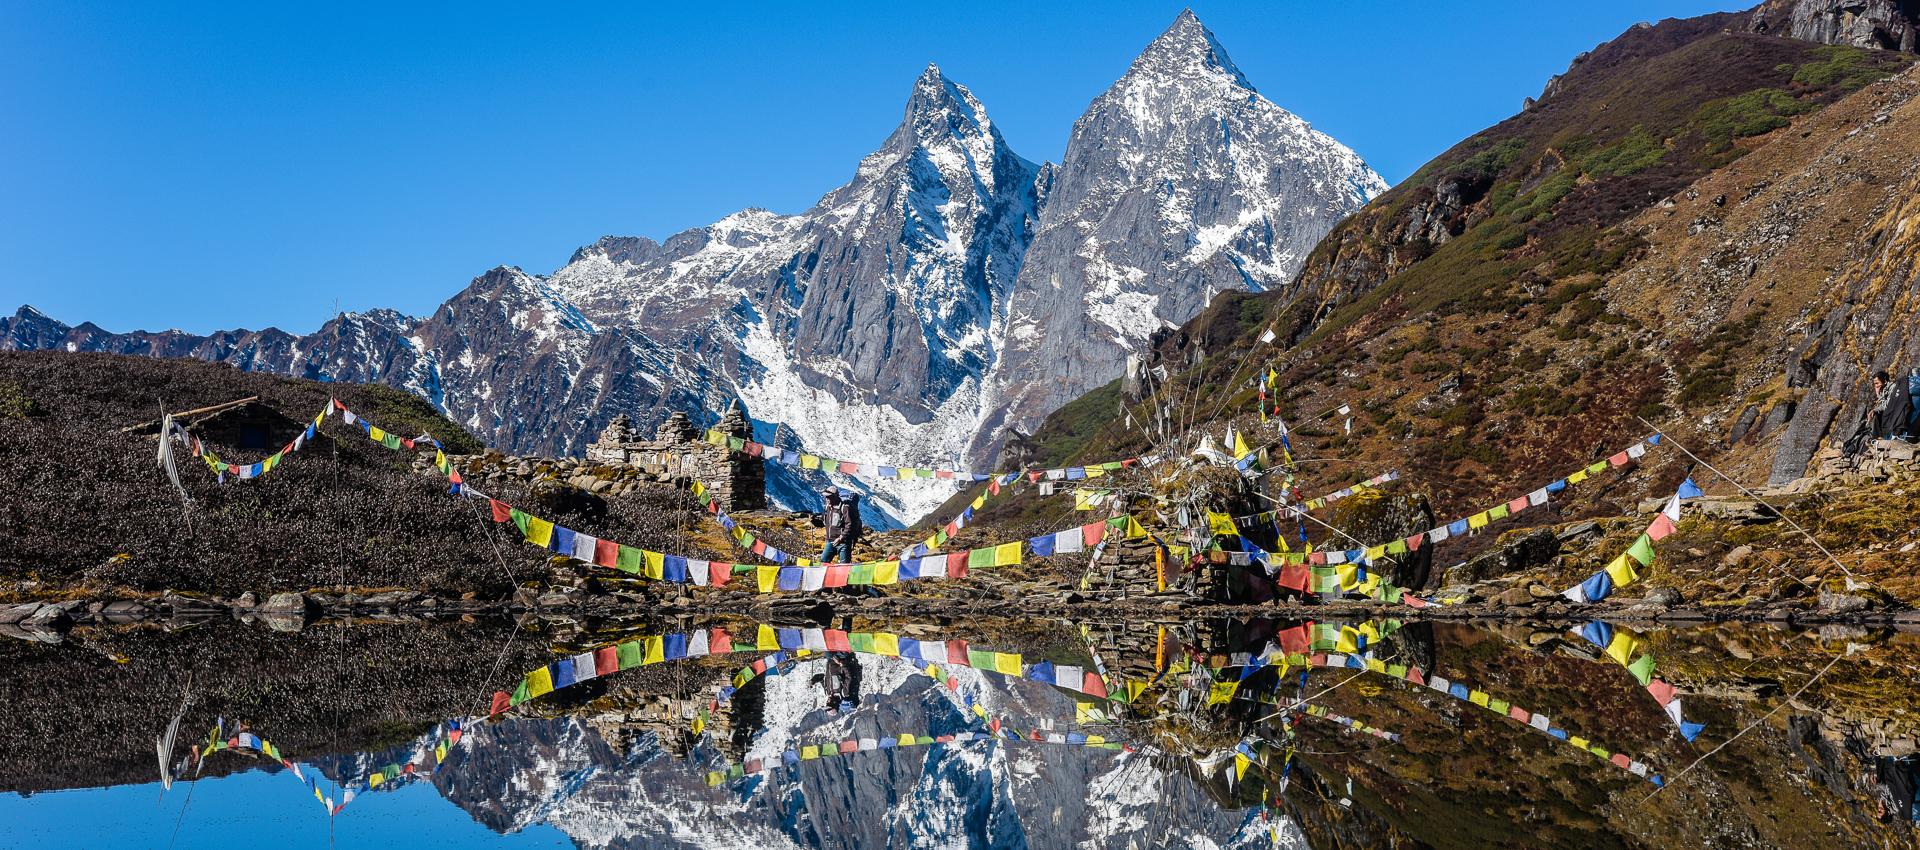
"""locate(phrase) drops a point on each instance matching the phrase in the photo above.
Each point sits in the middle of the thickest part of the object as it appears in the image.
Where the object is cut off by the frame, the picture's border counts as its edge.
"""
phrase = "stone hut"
(679, 452)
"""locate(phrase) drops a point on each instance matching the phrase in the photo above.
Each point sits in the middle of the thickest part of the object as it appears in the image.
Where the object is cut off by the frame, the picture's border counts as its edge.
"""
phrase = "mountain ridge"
(891, 319)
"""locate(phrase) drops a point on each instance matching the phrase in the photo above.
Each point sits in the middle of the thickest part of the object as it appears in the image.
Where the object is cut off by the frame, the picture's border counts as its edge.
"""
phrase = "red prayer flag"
(1295, 639)
(1662, 692)
(957, 565)
(759, 547)
(943, 473)
(1661, 527)
(1517, 505)
(1129, 461)
(957, 653)
(1033, 477)
(719, 642)
(1415, 676)
(1413, 542)
(836, 576)
(1619, 459)
(501, 702)
(1413, 601)
(1295, 577)
(1094, 685)
(837, 641)
(1318, 659)
(718, 573)
(1092, 533)
(606, 660)
(1621, 760)
(502, 512)
(849, 467)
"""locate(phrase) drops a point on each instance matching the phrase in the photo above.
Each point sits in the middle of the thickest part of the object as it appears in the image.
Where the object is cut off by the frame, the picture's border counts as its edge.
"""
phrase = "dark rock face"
(1879, 24)
(1872, 327)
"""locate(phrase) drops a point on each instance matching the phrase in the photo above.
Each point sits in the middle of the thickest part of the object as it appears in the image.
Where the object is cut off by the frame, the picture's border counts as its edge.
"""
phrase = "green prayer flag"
(860, 574)
(1500, 512)
(1642, 669)
(630, 560)
(1642, 550)
(629, 654)
(979, 559)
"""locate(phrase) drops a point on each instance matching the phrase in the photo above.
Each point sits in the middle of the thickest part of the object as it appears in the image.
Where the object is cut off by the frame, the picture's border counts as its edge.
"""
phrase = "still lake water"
(990, 733)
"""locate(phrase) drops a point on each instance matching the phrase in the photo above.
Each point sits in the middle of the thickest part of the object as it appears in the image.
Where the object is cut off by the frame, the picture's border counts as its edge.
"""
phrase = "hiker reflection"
(841, 681)
(1894, 785)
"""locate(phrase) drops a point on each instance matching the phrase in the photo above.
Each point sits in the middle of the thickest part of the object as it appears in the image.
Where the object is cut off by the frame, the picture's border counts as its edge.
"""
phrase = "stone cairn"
(1880, 461)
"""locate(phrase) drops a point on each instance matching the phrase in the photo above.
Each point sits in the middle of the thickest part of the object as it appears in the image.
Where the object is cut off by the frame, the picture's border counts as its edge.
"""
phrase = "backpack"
(1913, 407)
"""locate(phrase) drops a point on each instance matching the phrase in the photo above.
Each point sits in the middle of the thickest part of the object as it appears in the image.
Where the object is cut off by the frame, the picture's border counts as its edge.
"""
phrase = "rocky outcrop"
(1879, 24)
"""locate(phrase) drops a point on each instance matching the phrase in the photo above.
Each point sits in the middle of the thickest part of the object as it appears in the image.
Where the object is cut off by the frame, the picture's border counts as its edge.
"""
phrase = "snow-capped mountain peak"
(949, 291)
(1187, 49)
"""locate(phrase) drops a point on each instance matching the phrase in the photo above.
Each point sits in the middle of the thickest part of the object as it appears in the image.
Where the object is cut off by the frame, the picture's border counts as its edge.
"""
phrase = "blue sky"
(208, 165)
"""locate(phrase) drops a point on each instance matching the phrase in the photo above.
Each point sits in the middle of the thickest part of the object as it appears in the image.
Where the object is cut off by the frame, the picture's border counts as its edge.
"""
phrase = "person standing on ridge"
(833, 519)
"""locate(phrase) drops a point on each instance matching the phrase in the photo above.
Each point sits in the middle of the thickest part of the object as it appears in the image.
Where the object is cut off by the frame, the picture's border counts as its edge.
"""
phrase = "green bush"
(1761, 110)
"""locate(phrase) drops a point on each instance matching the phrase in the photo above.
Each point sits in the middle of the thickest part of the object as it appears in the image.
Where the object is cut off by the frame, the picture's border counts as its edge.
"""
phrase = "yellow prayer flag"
(1578, 741)
(1577, 477)
(809, 461)
(765, 638)
(376, 780)
(886, 572)
(1134, 528)
(1095, 472)
(656, 652)
(1007, 662)
(1222, 692)
(539, 682)
(885, 643)
(376, 434)
(1221, 524)
(1621, 648)
(809, 752)
(1240, 765)
(1478, 520)
(656, 564)
(1006, 554)
(765, 577)
(1621, 571)
(539, 531)
(1478, 698)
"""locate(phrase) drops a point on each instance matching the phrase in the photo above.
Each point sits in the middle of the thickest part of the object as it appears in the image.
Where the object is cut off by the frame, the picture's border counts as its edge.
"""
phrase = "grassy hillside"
(85, 507)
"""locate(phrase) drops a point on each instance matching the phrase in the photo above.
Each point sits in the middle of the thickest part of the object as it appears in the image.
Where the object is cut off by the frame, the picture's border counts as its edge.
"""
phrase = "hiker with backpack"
(833, 519)
(1889, 416)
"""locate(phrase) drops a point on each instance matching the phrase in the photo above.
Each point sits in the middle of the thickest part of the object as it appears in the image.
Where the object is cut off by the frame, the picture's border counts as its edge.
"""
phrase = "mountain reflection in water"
(861, 734)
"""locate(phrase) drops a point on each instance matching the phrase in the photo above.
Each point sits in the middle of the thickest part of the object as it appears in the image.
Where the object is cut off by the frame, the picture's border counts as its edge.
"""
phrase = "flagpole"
(1852, 583)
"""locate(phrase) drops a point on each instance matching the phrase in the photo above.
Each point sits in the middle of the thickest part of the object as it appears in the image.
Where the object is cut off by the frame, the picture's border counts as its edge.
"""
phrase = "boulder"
(16, 613)
(1666, 596)
(1842, 603)
(294, 604)
(391, 599)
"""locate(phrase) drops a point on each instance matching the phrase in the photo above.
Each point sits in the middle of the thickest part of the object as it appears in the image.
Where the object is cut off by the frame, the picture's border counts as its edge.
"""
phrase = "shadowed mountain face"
(897, 319)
